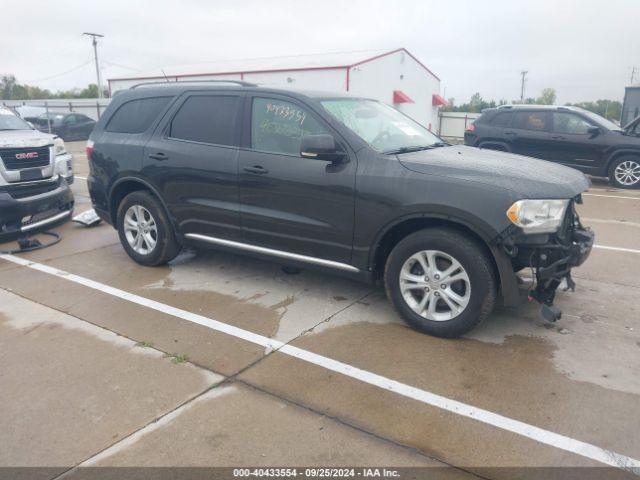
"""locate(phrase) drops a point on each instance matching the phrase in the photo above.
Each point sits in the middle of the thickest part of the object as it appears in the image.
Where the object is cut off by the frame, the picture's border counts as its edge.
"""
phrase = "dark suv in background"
(337, 182)
(568, 135)
(68, 126)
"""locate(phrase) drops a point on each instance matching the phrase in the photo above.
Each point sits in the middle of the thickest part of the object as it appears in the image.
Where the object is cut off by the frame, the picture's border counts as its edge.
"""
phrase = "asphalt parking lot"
(223, 360)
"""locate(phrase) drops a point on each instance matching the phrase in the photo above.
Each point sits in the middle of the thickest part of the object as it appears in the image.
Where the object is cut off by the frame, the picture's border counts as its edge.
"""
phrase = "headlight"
(538, 216)
(58, 145)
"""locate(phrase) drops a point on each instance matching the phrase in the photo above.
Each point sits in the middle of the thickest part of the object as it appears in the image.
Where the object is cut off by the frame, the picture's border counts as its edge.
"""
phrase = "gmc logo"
(25, 156)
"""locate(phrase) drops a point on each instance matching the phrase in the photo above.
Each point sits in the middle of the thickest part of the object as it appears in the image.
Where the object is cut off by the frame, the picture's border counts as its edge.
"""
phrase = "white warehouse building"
(395, 77)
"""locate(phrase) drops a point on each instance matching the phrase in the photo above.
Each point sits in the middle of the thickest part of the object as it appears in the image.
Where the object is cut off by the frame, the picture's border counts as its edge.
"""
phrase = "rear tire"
(145, 231)
(624, 172)
(460, 305)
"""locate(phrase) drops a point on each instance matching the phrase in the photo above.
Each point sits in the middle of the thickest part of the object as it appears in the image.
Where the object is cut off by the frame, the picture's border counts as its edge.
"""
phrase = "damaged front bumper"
(551, 258)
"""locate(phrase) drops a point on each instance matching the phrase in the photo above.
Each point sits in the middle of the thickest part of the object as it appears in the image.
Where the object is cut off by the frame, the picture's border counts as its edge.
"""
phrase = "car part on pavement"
(89, 218)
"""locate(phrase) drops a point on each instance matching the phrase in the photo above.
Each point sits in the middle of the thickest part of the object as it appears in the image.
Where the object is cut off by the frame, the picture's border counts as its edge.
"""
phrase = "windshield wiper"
(415, 148)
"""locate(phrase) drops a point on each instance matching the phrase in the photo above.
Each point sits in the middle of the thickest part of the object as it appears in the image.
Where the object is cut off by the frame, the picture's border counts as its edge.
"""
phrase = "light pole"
(94, 41)
(524, 76)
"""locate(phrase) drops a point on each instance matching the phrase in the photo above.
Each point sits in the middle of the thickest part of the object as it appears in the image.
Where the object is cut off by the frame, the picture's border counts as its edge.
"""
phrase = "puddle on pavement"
(517, 377)
(578, 346)
(252, 294)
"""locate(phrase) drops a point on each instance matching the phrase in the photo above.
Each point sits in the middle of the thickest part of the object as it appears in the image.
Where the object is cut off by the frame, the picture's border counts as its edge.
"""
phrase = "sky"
(585, 49)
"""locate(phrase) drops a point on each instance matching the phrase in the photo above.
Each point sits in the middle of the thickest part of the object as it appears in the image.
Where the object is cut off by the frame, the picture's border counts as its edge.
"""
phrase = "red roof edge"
(239, 72)
(402, 49)
(437, 101)
(400, 97)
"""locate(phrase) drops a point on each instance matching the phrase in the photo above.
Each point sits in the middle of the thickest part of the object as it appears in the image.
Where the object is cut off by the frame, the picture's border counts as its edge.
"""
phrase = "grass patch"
(177, 359)
(144, 344)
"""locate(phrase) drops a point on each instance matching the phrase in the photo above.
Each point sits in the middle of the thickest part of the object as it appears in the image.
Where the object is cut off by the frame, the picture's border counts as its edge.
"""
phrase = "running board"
(272, 252)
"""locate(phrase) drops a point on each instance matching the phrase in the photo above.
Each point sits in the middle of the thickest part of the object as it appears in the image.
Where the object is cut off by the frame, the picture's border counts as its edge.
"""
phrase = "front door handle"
(557, 137)
(257, 169)
(159, 156)
(508, 132)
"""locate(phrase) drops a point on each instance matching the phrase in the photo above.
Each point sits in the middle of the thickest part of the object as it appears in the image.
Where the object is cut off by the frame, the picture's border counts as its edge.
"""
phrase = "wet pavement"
(133, 382)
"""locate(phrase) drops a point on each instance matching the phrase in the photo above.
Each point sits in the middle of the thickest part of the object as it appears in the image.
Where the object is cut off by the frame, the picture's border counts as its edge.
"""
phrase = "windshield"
(381, 126)
(9, 121)
(603, 122)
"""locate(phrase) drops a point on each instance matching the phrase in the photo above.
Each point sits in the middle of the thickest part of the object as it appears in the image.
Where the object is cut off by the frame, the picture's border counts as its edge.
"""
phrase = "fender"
(617, 153)
(499, 143)
(488, 235)
(132, 177)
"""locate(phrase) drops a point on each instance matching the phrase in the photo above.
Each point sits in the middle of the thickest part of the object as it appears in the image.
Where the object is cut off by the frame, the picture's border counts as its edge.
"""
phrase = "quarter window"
(278, 126)
(530, 121)
(570, 124)
(136, 116)
(207, 119)
(501, 119)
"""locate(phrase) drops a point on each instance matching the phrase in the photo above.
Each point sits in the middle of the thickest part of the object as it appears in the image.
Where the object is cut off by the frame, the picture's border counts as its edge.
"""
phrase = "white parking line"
(623, 223)
(617, 249)
(609, 196)
(537, 434)
(81, 178)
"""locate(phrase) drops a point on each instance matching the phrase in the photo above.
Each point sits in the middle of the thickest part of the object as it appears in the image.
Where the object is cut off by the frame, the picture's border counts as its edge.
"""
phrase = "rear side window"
(530, 120)
(501, 119)
(136, 116)
(207, 119)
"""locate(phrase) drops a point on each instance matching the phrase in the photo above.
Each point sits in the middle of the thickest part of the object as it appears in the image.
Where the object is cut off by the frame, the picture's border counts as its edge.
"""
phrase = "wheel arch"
(126, 185)
(488, 144)
(619, 153)
(394, 232)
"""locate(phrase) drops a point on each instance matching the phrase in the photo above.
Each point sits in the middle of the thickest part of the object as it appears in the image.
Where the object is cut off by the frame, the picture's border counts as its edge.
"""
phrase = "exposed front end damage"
(551, 257)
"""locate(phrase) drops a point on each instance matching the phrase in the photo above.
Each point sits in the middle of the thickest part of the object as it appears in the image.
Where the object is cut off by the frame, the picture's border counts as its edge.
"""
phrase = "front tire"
(145, 231)
(624, 172)
(441, 282)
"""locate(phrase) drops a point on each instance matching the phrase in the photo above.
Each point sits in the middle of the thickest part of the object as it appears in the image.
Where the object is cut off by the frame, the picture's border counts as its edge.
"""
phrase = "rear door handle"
(557, 137)
(509, 133)
(257, 169)
(159, 156)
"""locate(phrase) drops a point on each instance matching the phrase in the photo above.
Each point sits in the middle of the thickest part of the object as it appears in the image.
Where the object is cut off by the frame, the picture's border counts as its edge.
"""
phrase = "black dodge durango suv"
(568, 135)
(337, 182)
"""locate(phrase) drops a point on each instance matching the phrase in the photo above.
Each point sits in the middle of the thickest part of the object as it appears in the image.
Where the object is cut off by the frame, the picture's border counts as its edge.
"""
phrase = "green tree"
(611, 109)
(547, 97)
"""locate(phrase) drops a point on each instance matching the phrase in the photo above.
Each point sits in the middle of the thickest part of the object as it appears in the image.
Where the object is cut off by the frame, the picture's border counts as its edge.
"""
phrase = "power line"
(77, 67)
(113, 64)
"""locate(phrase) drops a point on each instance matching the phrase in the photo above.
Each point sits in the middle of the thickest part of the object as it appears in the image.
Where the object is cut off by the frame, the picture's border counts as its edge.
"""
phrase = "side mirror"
(593, 131)
(321, 147)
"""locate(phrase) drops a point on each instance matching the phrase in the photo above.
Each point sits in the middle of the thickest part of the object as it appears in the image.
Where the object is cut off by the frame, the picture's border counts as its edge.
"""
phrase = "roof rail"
(172, 83)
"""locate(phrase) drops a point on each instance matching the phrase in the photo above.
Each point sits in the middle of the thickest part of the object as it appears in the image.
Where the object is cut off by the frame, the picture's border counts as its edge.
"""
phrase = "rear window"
(136, 116)
(501, 119)
(207, 119)
(530, 120)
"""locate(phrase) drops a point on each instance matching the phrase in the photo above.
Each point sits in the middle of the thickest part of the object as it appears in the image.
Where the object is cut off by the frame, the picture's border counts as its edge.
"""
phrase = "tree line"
(10, 89)
(611, 109)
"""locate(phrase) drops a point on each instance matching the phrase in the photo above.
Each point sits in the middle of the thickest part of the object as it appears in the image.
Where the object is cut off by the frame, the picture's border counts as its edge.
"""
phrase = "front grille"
(21, 158)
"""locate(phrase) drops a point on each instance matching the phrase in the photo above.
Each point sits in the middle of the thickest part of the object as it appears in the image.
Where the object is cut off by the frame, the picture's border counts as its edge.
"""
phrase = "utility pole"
(94, 41)
(524, 80)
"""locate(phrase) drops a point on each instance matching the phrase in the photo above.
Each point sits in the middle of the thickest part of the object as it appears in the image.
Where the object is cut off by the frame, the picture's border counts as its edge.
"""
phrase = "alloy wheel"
(140, 230)
(435, 285)
(627, 173)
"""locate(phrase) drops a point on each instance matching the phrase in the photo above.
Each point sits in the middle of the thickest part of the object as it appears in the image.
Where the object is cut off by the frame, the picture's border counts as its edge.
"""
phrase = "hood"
(526, 176)
(24, 138)
(629, 126)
